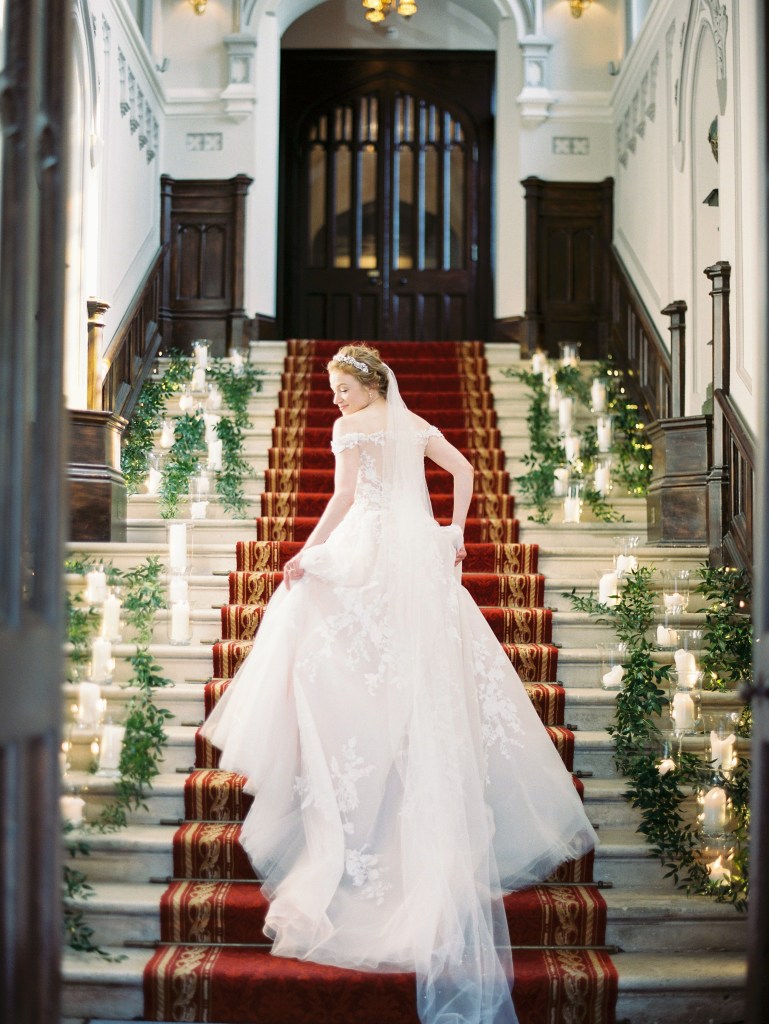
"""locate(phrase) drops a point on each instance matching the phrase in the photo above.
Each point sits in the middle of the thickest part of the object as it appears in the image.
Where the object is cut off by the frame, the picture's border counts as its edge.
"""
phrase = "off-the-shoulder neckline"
(378, 433)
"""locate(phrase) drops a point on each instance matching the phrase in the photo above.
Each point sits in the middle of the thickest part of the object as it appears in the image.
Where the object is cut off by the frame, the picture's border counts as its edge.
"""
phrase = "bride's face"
(349, 394)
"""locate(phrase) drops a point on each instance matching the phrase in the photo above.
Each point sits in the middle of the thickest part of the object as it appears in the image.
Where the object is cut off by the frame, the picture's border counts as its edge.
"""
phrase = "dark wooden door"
(36, 77)
(386, 196)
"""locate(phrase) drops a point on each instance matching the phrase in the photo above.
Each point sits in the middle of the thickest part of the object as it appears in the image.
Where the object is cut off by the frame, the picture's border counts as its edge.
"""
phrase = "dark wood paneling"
(97, 491)
(203, 235)
(677, 508)
(568, 240)
(36, 79)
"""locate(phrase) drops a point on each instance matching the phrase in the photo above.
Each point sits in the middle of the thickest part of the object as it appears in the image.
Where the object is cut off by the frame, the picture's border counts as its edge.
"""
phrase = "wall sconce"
(578, 6)
(198, 6)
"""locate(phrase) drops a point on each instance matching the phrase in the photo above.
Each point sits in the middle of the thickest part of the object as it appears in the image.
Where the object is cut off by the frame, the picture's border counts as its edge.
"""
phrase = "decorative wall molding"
(565, 145)
(535, 99)
(641, 108)
(240, 95)
(204, 142)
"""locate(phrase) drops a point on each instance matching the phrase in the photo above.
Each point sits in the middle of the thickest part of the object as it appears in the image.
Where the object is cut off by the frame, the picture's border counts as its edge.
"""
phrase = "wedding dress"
(402, 780)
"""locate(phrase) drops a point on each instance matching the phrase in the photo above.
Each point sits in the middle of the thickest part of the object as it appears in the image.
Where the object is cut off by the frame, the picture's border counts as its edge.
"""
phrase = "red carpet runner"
(213, 963)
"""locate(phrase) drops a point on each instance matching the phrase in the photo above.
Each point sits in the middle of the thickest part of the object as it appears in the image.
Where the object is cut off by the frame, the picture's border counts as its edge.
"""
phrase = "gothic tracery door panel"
(385, 204)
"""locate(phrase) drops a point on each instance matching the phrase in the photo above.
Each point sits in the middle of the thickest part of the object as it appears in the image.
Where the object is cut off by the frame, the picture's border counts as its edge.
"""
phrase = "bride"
(402, 780)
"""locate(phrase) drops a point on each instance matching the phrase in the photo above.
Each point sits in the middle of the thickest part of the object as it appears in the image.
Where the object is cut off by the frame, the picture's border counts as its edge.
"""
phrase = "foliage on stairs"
(629, 449)
(142, 593)
(663, 776)
(212, 963)
(236, 383)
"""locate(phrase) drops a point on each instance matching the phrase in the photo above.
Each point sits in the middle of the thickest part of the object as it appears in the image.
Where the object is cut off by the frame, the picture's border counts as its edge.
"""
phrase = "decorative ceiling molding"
(641, 108)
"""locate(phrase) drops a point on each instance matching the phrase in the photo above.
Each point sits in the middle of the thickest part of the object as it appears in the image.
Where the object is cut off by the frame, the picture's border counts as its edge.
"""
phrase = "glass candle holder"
(178, 558)
(569, 352)
(200, 352)
(199, 489)
(613, 656)
(669, 752)
(602, 477)
(186, 398)
(560, 481)
(110, 749)
(572, 503)
(199, 384)
(604, 432)
(599, 394)
(214, 398)
(538, 362)
(72, 808)
(111, 623)
(179, 623)
(167, 434)
(154, 473)
(675, 591)
(721, 743)
(572, 444)
(553, 397)
(717, 855)
(685, 695)
(565, 414)
(714, 808)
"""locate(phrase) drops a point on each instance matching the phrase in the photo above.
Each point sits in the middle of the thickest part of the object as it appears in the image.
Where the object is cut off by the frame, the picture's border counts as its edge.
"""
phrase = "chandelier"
(578, 6)
(377, 10)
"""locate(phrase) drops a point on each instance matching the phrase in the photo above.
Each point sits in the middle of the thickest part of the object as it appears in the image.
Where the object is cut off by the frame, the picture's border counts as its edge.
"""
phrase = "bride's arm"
(448, 457)
(345, 477)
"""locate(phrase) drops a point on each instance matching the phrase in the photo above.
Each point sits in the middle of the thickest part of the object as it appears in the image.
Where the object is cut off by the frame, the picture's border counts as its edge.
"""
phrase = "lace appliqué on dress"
(345, 778)
(500, 723)
(366, 874)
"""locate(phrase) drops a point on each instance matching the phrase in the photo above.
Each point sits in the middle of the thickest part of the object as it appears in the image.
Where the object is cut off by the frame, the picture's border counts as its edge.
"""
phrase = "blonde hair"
(375, 373)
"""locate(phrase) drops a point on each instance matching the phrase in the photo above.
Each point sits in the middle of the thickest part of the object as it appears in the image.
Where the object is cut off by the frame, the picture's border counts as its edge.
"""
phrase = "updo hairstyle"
(375, 377)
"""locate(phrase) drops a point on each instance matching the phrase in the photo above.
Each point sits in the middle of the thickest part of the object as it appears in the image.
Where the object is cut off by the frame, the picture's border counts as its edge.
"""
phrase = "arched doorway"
(386, 195)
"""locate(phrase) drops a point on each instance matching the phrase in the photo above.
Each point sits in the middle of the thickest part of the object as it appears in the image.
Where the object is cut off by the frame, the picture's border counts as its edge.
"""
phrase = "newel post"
(677, 507)
(96, 313)
(718, 478)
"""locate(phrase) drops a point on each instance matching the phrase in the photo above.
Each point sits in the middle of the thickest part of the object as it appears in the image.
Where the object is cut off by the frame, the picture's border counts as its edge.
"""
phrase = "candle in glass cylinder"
(211, 420)
(215, 454)
(88, 703)
(178, 589)
(598, 395)
(214, 400)
(236, 358)
(560, 481)
(612, 680)
(603, 430)
(686, 667)
(667, 764)
(722, 750)
(718, 871)
(154, 480)
(110, 622)
(180, 622)
(186, 401)
(95, 586)
(607, 588)
(683, 711)
(602, 478)
(714, 810)
(572, 509)
(101, 659)
(177, 546)
(72, 808)
(166, 434)
(565, 413)
(553, 397)
(571, 447)
(198, 509)
(111, 747)
(626, 564)
(201, 354)
(538, 361)
(199, 379)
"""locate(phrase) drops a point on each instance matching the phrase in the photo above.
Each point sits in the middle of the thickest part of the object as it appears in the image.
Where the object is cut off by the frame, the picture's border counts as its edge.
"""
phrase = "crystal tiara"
(357, 363)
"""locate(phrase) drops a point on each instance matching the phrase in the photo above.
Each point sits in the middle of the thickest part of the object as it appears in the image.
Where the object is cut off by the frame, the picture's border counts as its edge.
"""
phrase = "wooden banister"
(677, 313)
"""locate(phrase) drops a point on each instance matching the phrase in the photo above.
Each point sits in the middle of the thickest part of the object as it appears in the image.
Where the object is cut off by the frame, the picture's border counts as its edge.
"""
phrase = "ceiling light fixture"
(377, 10)
(198, 6)
(578, 6)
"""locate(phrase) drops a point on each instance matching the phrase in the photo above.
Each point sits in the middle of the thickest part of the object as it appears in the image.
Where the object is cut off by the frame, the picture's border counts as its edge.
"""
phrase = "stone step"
(654, 987)
(638, 920)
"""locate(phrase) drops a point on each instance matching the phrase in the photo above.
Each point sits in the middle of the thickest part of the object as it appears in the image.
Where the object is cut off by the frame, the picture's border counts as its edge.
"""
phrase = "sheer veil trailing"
(453, 895)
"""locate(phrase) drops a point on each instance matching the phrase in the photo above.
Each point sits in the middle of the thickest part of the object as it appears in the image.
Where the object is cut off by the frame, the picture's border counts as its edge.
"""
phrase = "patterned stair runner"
(213, 963)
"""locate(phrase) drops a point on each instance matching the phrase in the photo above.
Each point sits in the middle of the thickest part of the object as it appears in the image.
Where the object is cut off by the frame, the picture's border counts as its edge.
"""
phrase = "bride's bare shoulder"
(418, 422)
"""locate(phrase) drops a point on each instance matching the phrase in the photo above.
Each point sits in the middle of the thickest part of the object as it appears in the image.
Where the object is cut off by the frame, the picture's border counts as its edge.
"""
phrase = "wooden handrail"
(135, 345)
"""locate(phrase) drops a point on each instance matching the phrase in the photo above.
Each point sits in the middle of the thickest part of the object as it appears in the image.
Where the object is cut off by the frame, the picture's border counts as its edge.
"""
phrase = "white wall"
(664, 169)
(115, 203)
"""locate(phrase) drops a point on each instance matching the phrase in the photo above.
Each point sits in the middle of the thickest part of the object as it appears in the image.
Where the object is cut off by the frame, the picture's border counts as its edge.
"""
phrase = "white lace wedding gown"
(401, 777)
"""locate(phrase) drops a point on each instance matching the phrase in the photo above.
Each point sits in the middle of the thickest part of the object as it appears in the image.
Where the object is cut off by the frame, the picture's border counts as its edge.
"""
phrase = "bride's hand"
(457, 539)
(461, 553)
(292, 571)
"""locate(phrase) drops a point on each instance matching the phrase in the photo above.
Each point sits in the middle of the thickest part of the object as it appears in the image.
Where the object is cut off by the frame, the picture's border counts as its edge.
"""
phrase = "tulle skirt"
(402, 780)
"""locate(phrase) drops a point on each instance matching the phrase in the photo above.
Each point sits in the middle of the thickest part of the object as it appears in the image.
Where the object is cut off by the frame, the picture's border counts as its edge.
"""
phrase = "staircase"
(679, 957)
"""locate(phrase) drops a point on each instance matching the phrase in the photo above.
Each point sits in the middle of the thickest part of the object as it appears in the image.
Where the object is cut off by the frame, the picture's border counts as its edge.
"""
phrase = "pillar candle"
(675, 600)
(178, 589)
(111, 746)
(571, 447)
(211, 420)
(538, 361)
(598, 395)
(96, 586)
(215, 455)
(626, 564)
(686, 666)
(612, 680)
(154, 480)
(177, 546)
(714, 811)
(198, 509)
(201, 355)
(214, 400)
(186, 401)
(667, 764)
(180, 622)
(236, 359)
(560, 481)
(603, 433)
(717, 871)
(110, 623)
(572, 510)
(553, 398)
(72, 808)
(565, 413)
(199, 378)
(167, 434)
(683, 711)
(602, 479)
(101, 659)
(666, 637)
(89, 703)
(607, 588)
(722, 750)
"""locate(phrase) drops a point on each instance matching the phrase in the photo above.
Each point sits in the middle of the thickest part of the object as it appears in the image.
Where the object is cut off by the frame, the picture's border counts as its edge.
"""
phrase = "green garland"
(145, 735)
(546, 453)
(662, 798)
